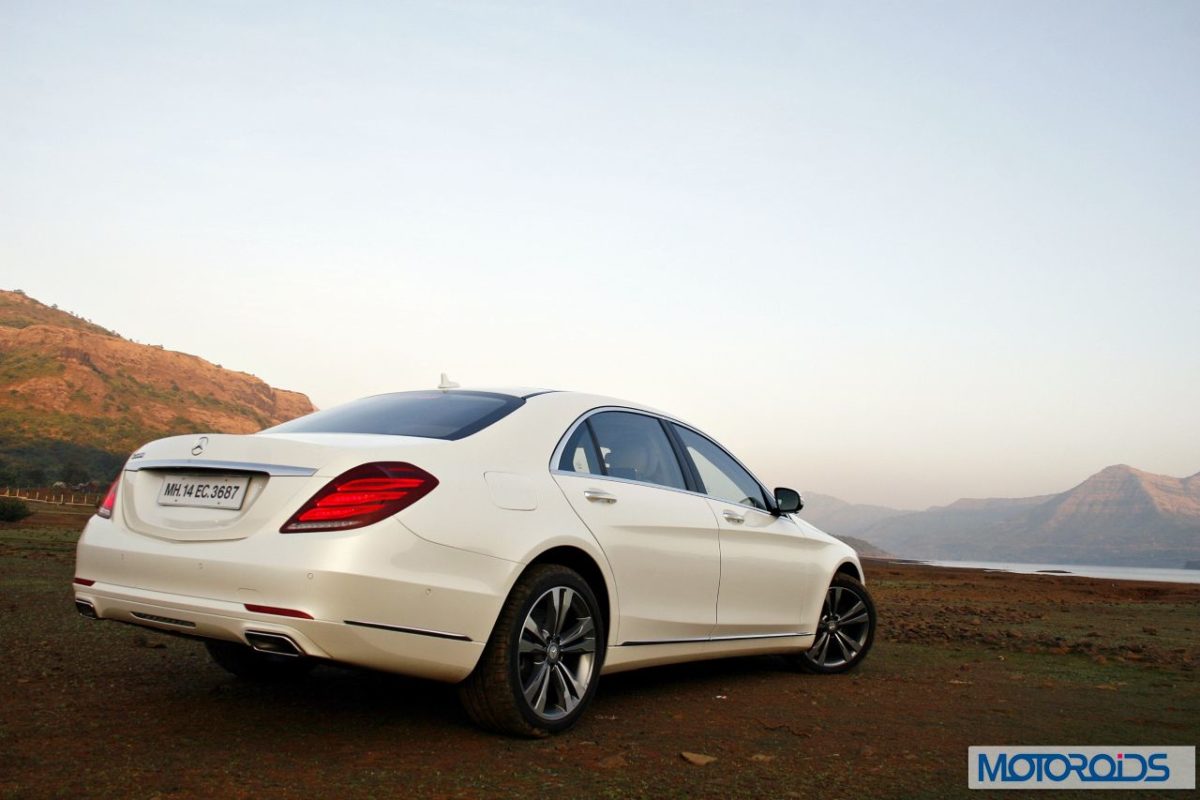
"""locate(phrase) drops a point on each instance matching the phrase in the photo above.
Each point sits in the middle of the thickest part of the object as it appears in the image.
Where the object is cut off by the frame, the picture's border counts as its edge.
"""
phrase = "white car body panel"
(419, 593)
(663, 548)
(765, 563)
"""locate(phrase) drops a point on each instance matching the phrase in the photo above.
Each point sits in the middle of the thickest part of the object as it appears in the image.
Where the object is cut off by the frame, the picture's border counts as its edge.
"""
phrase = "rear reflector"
(106, 508)
(83, 581)
(362, 496)
(279, 612)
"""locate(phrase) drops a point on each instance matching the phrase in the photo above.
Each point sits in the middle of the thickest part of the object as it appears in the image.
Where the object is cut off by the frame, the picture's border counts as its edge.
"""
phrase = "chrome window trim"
(566, 437)
(230, 466)
(590, 476)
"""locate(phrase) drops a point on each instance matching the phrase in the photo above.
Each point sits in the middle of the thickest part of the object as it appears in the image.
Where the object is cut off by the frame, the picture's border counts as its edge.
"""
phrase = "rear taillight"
(362, 496)
(106, 508)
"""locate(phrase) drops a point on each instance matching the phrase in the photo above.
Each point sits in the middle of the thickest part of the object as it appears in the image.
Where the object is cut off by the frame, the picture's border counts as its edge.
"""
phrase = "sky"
(900, 253)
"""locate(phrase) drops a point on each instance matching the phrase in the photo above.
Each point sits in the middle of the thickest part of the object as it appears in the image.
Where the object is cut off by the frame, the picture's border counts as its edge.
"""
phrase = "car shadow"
(340, 696)
(352, 697)
(694, 674)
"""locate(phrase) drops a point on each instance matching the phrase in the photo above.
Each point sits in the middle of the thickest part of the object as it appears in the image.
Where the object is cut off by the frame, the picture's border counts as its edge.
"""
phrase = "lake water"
(1085, 570)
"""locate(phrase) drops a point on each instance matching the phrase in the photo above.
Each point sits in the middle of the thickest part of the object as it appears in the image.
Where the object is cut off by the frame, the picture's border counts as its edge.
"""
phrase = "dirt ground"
(964, 657)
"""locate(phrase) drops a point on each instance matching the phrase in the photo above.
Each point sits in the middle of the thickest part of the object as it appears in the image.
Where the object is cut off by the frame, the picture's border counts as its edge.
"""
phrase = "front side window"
(634, 447)
(722, 476)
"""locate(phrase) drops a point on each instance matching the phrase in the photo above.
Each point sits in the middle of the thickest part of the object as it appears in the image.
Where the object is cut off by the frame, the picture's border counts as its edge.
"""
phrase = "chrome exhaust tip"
(273, 643)
(86, 609)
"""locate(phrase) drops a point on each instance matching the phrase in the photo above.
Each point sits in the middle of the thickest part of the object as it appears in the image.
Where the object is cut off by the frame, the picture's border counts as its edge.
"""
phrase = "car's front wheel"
(540, 667)
(846, 631)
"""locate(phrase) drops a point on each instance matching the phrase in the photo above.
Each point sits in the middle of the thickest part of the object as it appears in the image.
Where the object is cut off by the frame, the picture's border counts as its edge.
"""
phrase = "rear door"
(620, 473)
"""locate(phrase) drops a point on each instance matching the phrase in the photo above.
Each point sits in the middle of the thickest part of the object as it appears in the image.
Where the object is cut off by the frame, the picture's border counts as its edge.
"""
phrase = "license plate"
(204, 491)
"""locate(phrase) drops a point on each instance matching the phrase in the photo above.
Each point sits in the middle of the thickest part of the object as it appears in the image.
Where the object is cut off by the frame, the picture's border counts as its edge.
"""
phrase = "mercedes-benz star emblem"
(201, 443)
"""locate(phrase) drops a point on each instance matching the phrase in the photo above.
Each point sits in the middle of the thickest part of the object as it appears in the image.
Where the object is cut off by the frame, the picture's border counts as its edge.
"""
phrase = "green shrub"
(13, 509)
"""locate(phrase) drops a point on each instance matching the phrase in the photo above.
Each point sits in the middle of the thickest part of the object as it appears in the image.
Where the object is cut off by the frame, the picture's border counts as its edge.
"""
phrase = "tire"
(246, 662)
(539, 669)
(846, 630)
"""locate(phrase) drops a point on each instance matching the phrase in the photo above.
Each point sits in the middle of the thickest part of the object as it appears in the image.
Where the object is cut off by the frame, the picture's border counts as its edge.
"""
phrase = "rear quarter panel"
(496, 495)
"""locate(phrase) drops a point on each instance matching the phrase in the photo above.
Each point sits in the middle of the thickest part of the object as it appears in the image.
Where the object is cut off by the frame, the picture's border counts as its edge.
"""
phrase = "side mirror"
(788, 501)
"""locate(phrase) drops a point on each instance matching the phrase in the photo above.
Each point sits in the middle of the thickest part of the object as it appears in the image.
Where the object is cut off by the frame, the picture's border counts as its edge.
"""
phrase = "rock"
(614, 762)
(762, 758)
(699, 759)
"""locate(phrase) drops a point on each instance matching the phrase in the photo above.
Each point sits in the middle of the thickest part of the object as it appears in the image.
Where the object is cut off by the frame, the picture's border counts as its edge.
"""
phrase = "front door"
(765, 563)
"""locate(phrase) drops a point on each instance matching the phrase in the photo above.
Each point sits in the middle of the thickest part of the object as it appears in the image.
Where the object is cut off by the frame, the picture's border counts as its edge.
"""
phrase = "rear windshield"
(432, 414)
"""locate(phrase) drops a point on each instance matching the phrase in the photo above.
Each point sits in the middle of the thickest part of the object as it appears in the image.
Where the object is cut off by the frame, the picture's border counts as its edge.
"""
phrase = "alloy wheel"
(556, 656)
(843, 631)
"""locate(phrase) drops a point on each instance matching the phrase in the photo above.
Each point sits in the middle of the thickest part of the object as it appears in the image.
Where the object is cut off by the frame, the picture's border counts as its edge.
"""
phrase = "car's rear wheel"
(248, 663)
(540, 667)
(846, 630)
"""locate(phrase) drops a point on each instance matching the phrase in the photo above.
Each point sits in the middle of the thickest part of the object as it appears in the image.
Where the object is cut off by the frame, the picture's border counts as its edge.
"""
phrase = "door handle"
(734, 517)
(597, 496)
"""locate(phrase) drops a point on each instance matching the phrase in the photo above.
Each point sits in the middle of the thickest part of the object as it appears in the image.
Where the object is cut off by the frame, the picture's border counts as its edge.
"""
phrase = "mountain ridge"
(1118, 516)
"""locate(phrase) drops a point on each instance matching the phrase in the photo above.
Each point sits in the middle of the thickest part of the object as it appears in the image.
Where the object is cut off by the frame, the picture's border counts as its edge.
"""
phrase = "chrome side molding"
(717, 639)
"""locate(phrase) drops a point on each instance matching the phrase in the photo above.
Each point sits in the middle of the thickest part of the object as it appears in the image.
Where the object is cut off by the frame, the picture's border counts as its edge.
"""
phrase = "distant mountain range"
(76, 399)
(1119, 516)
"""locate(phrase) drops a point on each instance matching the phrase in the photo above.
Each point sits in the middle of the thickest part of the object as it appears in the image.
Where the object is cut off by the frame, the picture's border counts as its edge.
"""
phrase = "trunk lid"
(214, 487)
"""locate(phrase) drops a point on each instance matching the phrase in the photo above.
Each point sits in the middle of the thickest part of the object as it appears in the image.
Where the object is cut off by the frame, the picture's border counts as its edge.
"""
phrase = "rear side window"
(579, 454)
(432, 415)
(635, 447)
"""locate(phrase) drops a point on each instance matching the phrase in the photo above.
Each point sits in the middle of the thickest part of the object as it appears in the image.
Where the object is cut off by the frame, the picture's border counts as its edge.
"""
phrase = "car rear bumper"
(433, 655)
(380, 598)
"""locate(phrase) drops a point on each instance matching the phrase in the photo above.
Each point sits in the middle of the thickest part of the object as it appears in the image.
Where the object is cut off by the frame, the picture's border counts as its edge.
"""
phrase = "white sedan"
(517, 542)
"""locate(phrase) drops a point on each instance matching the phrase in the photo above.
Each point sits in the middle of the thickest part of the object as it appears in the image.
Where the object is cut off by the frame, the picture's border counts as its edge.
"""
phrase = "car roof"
(513, 391)
(582, 399)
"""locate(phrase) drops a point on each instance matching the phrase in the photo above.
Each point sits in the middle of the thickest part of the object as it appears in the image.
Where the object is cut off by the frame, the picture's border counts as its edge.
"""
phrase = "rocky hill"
(1119, 516)
(76, 398)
